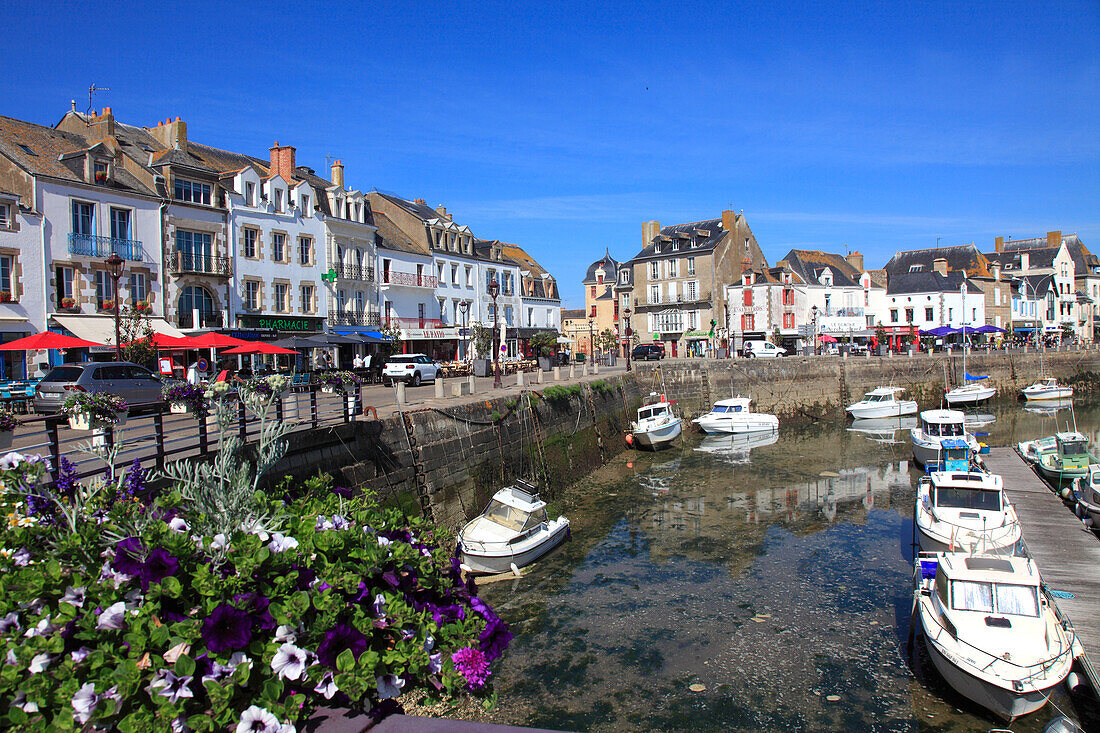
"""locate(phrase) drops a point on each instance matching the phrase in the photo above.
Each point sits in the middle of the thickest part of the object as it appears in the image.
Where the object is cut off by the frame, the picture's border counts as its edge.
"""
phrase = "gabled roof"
(390, 236)
(1039, 257)
(567, 313)
(929, 282)
(1083, 260)
(706, 235)
(808, 264)
(964, 257)
(1036, 285)
(417, 209)
(542, 287)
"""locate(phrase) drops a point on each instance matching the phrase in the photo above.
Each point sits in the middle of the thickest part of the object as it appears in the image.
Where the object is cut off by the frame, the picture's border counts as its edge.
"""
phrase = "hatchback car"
(131, 382)
(645, 352)
(410, 368)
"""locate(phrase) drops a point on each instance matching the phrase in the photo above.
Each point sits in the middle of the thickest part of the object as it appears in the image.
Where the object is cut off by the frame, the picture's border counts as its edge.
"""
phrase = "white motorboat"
(1047, 388)
(734, 416)
(990, 630)
(1086, 491)
(513, 530)
(882, 429)
(882, 402)
(735, 448)
(1033, 450)
(657, 425)
(936, 426)
(969, 394)
(965, 511)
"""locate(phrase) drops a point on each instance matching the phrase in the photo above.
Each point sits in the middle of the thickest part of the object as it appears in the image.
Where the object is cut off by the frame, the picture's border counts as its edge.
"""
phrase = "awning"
(101, 329)
(345, 330)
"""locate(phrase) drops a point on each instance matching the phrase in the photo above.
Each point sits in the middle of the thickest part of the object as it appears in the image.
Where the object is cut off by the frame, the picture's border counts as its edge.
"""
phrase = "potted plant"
(143, 306)
(107, 305)
(101, 176)
(544, 343)
(5, 296)
(259, 394)
(7, 427)
(183, 398)
(483, 345)
(68, 303)
(88, 410)
(343, 382)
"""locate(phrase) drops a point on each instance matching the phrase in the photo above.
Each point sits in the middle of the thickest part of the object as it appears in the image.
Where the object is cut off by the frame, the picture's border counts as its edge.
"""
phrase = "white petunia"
(109, 573)
(379, 605)
(22, 557)
(84, 702)
(42, 628)
(172, 686)
(389, 685)
(9, 622)
(40, 662)
(20, 702)
(435, 663)
(290, 662)
(11, 461)
(179, 525)
(74, 596)
(80, 654)
(281, 543)
(285, 634)
(286, 728)
(113, 617)
(339, 522)
(257, 720)
(429, 643)
(326, 688)
(322, 524)
(384, 542)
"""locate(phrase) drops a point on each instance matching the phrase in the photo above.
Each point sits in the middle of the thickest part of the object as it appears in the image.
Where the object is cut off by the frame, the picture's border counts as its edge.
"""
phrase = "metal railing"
(207, 319)
(681, 298)
(355, 318)
(411, 279)
(201, 264)
(415, 322)
(355, 272)
(90, 245)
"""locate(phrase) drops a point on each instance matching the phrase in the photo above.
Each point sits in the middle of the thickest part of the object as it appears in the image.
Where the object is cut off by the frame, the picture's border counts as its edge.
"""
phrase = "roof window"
(27, 150)
(916, 268)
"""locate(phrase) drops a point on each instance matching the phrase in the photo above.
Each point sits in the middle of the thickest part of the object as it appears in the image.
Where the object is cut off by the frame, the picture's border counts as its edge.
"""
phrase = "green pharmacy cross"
(329, 277)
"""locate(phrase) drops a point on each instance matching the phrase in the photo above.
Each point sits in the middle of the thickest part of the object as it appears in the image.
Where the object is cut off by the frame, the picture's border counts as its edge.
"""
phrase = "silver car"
(132, 382)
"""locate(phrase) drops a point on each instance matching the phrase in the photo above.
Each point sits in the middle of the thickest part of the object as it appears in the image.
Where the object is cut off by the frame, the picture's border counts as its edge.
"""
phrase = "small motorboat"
(990, 630)
(1047, 388)
(969, 394)
(965, 511)
(735, 449)
(935, 427)
(657, 426)
(513, 530)
(882, 429)
(1030, 450)
(1069, 460)
(1086, 492)
(882, 402)
(734, 416)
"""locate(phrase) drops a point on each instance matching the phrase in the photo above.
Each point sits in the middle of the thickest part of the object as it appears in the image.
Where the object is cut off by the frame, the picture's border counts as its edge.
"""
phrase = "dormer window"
(305, 205)
(278, 199)
(193, 191)
(99, 171)
(657, 249)
(675, 246)
(250, 194)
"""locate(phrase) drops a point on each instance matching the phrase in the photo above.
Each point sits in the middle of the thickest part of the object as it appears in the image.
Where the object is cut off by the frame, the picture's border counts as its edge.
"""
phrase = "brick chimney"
(855, 259)
(338, 174)
(442, 211)
(1054, 239)
(650, 229)
(729, 221)
(101, 126)
(746, 264)
(420, 201)
(999, 244)
(282, 161)
(171, 133)
(783, 265)
(939, 265)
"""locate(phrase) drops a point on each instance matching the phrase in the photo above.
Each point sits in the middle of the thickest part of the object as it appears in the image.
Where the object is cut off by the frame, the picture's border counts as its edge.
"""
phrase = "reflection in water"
(783, 585)
(735, 448)
(1049, 408)
(883, 429)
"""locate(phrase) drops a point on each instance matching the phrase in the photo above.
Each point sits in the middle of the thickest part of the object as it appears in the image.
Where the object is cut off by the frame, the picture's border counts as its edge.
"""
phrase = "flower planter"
(85, 421)
(179, 408)
(328, 388)
(5, 439)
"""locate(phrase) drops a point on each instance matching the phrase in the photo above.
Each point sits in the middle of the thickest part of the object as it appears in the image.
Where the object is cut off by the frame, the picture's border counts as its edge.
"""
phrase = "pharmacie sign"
(281, 323)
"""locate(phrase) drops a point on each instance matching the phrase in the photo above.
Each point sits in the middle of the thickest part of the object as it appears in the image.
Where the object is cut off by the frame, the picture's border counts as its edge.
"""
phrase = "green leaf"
(273, 689)
(345, 662)
(185, 665)
(53, 570)
(170, 587)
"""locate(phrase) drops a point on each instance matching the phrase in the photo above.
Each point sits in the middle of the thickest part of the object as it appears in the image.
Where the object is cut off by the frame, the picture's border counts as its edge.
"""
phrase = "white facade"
(407, 285)
(932, 309)
(22, 284)
(352, 258)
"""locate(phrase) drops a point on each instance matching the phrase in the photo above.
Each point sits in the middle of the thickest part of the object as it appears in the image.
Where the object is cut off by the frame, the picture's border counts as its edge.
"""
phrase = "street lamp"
(114, 265)
(494, 291)
(463, 307)
(813, 317)
(626, 314)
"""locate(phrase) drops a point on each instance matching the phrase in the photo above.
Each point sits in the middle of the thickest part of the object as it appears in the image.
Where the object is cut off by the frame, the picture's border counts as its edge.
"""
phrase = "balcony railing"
(682, 298)
(89, 245)
(200, 264)
(415, 322)
(355, 318)
(355, 272)
(411, 279)
(207, 319)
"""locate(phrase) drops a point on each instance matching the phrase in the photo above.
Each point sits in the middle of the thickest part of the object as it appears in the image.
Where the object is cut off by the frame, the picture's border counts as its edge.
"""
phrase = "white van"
(761, 349)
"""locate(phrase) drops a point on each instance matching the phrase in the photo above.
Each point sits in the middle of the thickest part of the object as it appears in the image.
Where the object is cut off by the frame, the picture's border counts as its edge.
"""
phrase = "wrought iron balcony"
(415, 322)
(394, 277)
(355, 272)
(190, 262)
(207, 319)
(89, 245)
(355, 318)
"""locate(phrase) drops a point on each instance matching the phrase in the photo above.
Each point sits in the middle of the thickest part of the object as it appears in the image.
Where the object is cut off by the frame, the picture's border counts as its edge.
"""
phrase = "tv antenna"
(92, 90)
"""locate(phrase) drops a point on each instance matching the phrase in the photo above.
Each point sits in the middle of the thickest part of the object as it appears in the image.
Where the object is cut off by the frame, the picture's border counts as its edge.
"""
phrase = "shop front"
(13, 364)
(696, 343)
(274, 327)
(441, 344)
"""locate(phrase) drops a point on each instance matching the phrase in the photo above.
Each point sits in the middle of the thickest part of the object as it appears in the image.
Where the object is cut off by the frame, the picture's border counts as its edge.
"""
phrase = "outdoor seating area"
(18, 394)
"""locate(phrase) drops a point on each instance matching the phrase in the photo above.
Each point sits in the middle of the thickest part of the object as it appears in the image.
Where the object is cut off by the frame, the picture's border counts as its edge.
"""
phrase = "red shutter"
(748, 296)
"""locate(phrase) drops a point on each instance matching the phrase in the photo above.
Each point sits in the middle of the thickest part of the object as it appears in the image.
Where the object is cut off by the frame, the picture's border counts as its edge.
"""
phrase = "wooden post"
(313, 406)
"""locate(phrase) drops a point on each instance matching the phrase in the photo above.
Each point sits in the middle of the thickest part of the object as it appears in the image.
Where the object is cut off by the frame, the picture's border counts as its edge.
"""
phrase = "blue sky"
(562, 127)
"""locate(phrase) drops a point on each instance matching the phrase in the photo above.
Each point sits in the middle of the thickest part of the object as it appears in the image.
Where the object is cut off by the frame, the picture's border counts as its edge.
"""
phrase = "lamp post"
(463, 307)
(494, 291)
(114, 265)
(813, 316)
(626, 314)
(591, 342)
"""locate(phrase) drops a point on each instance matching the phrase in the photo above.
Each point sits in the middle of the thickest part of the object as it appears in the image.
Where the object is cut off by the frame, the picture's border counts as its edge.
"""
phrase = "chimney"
(420, 201)
(729, 221)
(940, 265)
(171, 134)
(442, 211)
(746, 264)
(783, 265)
(855, 259)
(338, 174)
(102, 126)
(282, 161)
(650, 229)
(999, 244)
(996, 271)
(1025, 262)
(1054, 239)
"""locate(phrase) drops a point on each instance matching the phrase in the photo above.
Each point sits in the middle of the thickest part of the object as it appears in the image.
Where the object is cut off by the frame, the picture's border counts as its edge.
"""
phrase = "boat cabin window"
(726, 408)
(1017, 600)
(941, 587)
(505, 516)
(1011, 599)
(535, 519)
(953, 497)
(967, 595)
(643, 414)
(873, 397)
(1073, 448)
(946, 430)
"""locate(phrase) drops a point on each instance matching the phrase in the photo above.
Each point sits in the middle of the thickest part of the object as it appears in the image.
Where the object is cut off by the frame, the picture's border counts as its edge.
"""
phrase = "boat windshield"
(1074, 448)
(1018, 600)
(505, 516)
(870, 397)
(726, 408)
(643, 414)
(951, 497)
(947, 429)
(1011, 599)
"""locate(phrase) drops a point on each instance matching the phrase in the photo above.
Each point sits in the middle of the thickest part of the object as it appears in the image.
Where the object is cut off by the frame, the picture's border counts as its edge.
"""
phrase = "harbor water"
(760, 585)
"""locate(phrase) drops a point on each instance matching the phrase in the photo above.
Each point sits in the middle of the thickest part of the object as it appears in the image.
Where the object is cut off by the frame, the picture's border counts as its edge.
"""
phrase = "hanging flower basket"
(344, 382)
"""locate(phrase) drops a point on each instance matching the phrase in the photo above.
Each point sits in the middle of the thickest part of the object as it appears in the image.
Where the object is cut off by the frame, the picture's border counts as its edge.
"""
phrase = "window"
(120, 224)
(673, 268)
(893, 315)
(306, 292)
(341, 300)
(99, 170)
(593, 313)
(250, 194)
(193, 243)
(928, 314)
(693, 319)
(420, 313)
(83, 218)
(915, 268)
(508, 315)
(439, 268)
(788, 320)
(305, 204)
(974, 315)
(654, 293)
(950, 314)
(305, 250)
(196, 299)
(251, 295)
(908, 315)
(63, 277)
(593, 291)
(469, 277)
(654, 271)
(692, 290)
(281, 293)
(104, 288)
(7, 268)
(5, 216)
(278, 199)
(691, 266)
(967, 595)
(138, 289)
(278, 247)
(420, 275)
(1017, 600)
(530, 317)
(193, 191)
(454, 274)
(360, 302)
(251, 238)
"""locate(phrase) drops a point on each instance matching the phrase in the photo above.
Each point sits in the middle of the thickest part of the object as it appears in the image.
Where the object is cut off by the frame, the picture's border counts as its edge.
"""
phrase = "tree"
(137, 337)
(392, 333)
(544, 342)
(606, 340)
(776, 337)
(482, 338)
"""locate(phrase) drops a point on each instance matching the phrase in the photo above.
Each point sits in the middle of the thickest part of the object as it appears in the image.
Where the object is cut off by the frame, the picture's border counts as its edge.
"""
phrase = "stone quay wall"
(808, 388)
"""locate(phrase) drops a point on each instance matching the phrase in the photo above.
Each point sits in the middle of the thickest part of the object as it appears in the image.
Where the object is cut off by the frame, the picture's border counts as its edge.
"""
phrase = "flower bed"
(87, 410)
(183, 397)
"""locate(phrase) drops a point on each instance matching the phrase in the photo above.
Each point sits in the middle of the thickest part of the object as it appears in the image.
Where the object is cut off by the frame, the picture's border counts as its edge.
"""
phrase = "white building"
(920, 301)
(22, 281)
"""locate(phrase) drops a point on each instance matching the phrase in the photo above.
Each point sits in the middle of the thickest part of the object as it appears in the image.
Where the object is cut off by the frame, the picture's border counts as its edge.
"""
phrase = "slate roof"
(685, 234)
(904, 283)
(540, 286)
(808, 264)
(1039, 257)
(572, 313)
(1083, 260)
(610, 268)
(1037, 285)
(965, 257)
(624, 267)
(423, 211)
(390, 236)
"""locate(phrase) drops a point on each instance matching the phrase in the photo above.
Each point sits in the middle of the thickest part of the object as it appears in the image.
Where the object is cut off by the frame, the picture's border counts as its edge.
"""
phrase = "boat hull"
(1057, 393)
(491, 562)
(890, 409)
(1059, 477)
(969, 396)
(754, 423)
(659, 437)
(930, 541)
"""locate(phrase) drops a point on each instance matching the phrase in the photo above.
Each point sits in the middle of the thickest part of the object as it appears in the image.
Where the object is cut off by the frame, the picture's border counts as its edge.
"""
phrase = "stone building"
(601, 307)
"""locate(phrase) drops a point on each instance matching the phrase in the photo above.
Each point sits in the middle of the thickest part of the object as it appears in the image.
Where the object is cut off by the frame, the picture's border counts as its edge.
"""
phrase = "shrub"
(561, 392)
(8, 421)
(103, 406)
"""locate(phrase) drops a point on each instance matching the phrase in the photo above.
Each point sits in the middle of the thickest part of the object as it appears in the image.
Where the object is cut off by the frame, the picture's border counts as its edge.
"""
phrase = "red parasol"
(164, 342)
(213, 340)
(47, 340)
(826, 338)
(259, 347)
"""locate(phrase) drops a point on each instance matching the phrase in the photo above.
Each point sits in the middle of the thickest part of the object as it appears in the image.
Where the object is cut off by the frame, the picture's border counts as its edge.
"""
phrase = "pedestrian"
(357, 362)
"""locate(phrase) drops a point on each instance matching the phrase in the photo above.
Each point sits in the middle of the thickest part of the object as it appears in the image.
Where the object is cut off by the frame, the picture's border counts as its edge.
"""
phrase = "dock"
(1066, 552)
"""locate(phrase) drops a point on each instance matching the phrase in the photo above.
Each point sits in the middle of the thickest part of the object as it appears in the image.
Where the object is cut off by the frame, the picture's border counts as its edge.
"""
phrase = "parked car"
(410, 368)
(645, 352)
(132, 382)
(758, 349)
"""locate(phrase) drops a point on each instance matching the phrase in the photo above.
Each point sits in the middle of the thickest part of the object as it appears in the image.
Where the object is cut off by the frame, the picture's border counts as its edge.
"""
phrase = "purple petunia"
(158, 566)
(341, 637)
(227, 629)
(472, 665)
(256, 606)
(129, 554)
(494, 639)
(135, 479)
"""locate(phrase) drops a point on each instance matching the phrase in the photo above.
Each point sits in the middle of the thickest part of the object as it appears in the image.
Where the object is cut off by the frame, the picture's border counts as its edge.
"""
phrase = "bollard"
(910, 353)
(539, 377)
(456, 388)
(519, 377)
(471, 380)
(595, 367)
(439, 388)
(401, 393)
(572, 372)
(584, 369)
(557, 374)
(845, 356)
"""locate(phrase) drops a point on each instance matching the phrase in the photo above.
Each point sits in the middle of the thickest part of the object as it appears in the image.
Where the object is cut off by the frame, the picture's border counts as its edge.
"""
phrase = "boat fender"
(465, 568)
(515, 570)
(1087, 522)
(630, 439)
(1065, 493)
(1073, 680)
(1080, 511)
